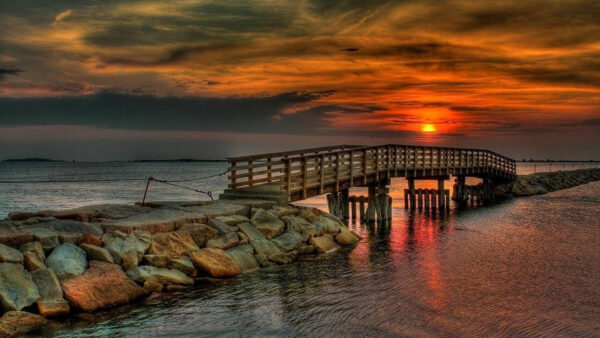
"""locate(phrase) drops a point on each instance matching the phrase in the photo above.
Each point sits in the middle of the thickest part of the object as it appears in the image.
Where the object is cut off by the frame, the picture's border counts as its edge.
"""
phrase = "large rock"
(201, 233)
(215, 262)
(232, 220)
(103, 285)
(183, 264)
(32, 262)
(267, 223)
(149, 273)
(12, 236)
(346, 237)
(17, 289)
(10, 255)
(299, 225)
(244, 261)
(155, 220)
(324, 244)
(15, 323)
(51, 302)
(288, 241)
(225, 241)
(67, 261)
(127, 251)
(327, 225)
(280, 211)
(97, 253)
(265, 247)
(250, 231)
(61, 231)
(247, 248)
(173, 244)
(222, 227)
(35, 247)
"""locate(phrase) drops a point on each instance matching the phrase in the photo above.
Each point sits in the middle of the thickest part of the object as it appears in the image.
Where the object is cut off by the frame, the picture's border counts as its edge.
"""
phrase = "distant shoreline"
(46, 160)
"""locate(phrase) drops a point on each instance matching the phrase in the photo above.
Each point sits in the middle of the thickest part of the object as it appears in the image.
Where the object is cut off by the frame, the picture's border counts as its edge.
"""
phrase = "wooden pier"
(296, 175)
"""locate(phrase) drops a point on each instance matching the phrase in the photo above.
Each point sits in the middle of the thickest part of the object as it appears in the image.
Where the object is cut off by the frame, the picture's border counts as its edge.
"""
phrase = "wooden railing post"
(304, 176)
(250, 173)
(337, 172)
(288, 171)
(364, 165)
(232, 176)
(351, 168)
(322, 174)
(269, 173)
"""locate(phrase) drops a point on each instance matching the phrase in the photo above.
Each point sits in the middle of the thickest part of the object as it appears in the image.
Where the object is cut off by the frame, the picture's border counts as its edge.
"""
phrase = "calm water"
(526, 267)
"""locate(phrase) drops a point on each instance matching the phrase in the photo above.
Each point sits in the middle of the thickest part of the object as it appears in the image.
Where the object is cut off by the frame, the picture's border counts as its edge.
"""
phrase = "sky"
(124, 80)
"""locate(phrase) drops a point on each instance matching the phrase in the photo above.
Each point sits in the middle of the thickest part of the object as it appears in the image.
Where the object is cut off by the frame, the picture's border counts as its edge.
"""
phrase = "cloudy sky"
(98, 80)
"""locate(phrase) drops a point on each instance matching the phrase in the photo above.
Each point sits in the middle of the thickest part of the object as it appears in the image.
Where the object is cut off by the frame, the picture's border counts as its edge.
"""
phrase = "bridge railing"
(317, 168)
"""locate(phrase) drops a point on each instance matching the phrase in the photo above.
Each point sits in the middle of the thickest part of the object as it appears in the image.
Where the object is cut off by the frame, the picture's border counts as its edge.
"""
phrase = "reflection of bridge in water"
(296, 175)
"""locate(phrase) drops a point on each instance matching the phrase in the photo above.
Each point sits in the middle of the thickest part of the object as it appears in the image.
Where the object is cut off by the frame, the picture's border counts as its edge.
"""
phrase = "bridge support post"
(411, 193)
(440, 194)
(460, 194)
(338, 203)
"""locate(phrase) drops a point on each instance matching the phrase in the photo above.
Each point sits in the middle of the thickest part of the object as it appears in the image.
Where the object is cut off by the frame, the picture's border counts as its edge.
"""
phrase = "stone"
(262, 260)
(280, 258)
(155, 220)
(103, 285)
(163, 276)
(222, 227)
(51, 302)
(175, 288)
(215, 262)
(306, 249)
(310, 214)
(267, 223)
(97, 253)
(32, 262)
(10, 255)
(35, 247)
(67, 261)
(345, 237)
(201, 233)
(15, 323)
(324, 244)
(288, 241)
(17, 289)
(265, 247)
(327, 225)
(12, 236)
(299, 225)
(127, 252)
(242, 238)
(225, 241)
(159, 261)
(280, 211)
(151, 287)
(245, 262)
(247, 248)
(183, 264)
(232, 220)
(250, 231)
(64, 230)
(173, 244)
(88, 238)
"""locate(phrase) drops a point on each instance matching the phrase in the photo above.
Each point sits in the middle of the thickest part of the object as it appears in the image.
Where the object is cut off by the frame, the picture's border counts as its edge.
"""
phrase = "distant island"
(31, 159)
(180, 160)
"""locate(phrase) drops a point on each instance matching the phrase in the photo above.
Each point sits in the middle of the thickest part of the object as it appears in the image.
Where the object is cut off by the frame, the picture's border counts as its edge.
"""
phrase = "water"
(525, 267)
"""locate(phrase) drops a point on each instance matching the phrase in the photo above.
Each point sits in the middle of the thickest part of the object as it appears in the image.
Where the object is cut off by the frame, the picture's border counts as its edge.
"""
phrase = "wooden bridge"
(296, 175)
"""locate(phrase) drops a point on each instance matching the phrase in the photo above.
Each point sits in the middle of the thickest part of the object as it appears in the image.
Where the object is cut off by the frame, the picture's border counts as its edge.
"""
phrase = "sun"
(428, 128)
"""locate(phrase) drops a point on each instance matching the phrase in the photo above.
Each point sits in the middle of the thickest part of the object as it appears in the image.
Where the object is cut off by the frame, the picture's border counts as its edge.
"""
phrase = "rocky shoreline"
(54, 264)
(543, 183)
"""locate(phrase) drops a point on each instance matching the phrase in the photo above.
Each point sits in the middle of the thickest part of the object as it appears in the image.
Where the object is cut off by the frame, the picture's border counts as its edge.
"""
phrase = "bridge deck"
(309, 172)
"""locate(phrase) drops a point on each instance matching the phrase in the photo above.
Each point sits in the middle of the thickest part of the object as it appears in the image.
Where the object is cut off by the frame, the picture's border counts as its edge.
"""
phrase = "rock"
(103, 285)
(173, 244)
(250, 231)
(346, 237)
(67, 261)
(140, 241)
(327, 225)
(299, 225)
(88, 238)
(163, 276)
(17, 289)
(306, 249)
(262, 260)
(175, 288)
(51, 302)
(35, 247)
(244, 261)
(15, 323)
(12, 236)
(97, 253)
(242, 238)
(222, 227)
(215, 262)
(267, 223)
(184, 265)
(310, 214)
(159, 261)
(58, 231)
(32, 262)
(232, 220)
(247, 248)
(151, 287)
(226, 241)
(288, 241)
(10, 255)
(280, 258)
(127, 252)
(155, 220)
(280, 211)
(324, 244)
(201, 233)
(265, 247)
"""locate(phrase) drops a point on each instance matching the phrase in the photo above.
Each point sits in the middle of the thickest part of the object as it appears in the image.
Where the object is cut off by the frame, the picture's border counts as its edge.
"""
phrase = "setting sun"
(428, 128)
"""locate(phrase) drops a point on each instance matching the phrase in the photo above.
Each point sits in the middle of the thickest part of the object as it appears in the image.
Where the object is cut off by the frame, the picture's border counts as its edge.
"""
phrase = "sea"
(520, 268)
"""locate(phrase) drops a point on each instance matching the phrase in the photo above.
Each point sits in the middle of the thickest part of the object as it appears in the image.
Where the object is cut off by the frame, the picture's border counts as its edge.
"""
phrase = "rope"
(209, 193)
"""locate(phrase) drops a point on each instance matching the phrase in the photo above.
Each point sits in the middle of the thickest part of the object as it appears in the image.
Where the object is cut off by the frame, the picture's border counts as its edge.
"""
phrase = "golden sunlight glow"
(428, 128)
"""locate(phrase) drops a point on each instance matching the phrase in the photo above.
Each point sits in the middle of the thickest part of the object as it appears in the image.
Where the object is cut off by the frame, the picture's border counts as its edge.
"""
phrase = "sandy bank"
(542, 183)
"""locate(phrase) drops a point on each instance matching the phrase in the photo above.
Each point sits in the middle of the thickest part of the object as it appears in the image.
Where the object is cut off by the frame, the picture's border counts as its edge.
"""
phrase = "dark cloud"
(350, 49)
(8, 71)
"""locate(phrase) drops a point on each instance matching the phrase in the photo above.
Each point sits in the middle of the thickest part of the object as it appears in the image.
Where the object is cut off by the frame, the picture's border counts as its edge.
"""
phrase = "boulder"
(226, 241)
(35, 247)
(12, 236)
(280, 258)
(154, 220)
(215, 262)
(67, 261)
(51, 302)
(88, 238)
(150, 287)
(103, 285)
(324, 244)
(346, 237)
(280, 211)
(17, 289)
(310, 214)
(159, 261)
(242, 238)
(163, 276)
(232, 220)
(299, 225)
(250, 231)
(173, 244)
(267, 223)
(265, 247)
(10, 255)
(306, 249)
(288, 241)
(32, 261)
(15, 323)
(129, 251)
(97, 253)
(65, 231)
(244, 261)
(247, 248)
(222, 227)
(201, 233)
(327, 225)
(175, 288)
(183, 264)
(262, 260)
